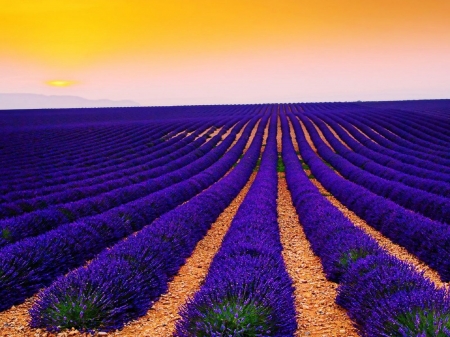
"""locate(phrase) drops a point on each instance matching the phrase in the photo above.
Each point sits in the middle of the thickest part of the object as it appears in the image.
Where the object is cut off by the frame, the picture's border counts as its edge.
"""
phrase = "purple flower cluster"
(109, 171)
(97, 176)
(435, 161)
(423, 132)
(247, 291)
(382, 295)
(67, 145)
(44, 119)
(387, 297)
(23, 202)
(33, 263)
(418, 127)
(94, 141)
(123, 147)
(57, 169)
(427, 239)
(122, 283)
(404, 134)
(376, 163)
(428, 204)
(396, 160)
(333, 237)
(35, 223)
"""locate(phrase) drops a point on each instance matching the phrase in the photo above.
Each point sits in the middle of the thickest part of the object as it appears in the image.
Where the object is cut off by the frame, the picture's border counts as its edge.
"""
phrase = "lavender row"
(109, 172)
(16, 203)
(83, 149)
(406, 153)
(37, 119)
(116, 152)
(93, 160)
(420, 128)
(394, 121)
(126, 158)
(386, 144)
(144, 163)
(430, 205)
(436, 110)
(438, 159)
(148, 118)
(332, 236)
(34, 263)
(19, 138)
(402, 133)
(368, 160)
(247, 291)
(427, 239)
(141, 173)
(424, 127)
(395, 159)
(382, 295)
(36, 223)
(60, 176)
(142, 265)
(431, 121)
(25, 143)
(35, 176)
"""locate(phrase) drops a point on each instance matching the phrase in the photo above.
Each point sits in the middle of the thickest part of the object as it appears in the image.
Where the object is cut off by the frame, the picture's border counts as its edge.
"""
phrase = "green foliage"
(280, 164)
(26, 207)
(258, 164)
(68, 214)
(304, 165)
(240, 157)
(420, 322)
(233, 315)
(329, 165)
(6, 234)
(42, 204)
(75, 312)
(351, 256)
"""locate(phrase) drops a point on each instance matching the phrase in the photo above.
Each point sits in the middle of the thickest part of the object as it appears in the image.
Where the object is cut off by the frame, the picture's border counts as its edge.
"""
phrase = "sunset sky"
(172, 52)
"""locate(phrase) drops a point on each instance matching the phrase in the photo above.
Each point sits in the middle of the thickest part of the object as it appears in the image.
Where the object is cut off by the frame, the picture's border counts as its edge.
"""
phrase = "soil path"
(318, 314)
(161, 318)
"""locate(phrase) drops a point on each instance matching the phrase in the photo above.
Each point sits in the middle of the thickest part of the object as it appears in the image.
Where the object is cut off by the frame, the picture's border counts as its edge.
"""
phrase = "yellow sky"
(82, 36)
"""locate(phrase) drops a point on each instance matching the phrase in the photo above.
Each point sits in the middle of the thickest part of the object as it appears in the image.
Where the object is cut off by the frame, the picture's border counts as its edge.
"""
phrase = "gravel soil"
(320, 134)
(317, 313)
(161, 318)
(334, 134)
(394, 249)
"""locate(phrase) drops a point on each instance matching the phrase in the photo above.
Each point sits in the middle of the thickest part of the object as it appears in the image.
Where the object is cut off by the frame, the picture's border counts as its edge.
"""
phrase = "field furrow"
(273, 220)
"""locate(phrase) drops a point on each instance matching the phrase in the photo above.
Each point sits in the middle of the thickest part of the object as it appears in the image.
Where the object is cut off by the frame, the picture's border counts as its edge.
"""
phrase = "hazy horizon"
(69, 101)
(17, 101)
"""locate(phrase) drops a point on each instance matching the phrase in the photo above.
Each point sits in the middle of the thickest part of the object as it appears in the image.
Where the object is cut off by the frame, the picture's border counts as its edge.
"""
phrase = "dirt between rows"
(317, 313)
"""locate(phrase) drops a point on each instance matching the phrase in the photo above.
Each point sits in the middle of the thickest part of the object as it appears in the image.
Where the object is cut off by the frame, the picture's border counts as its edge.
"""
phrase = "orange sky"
(226, 51)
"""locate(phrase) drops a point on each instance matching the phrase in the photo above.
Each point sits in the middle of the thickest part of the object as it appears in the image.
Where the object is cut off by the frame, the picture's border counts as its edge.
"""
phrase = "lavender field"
(308, 219)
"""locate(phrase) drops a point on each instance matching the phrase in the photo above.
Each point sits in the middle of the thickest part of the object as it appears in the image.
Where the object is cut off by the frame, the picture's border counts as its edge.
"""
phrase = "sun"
(60, 83)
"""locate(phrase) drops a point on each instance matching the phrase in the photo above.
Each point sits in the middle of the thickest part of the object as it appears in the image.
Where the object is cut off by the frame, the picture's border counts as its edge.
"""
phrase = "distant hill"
(35, 101)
